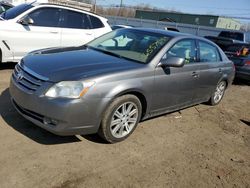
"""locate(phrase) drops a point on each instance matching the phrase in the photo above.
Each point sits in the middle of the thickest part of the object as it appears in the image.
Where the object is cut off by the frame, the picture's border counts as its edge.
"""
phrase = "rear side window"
(46, 17)
(96, 22)
(208, 52)
(75, 20)
(184, 49)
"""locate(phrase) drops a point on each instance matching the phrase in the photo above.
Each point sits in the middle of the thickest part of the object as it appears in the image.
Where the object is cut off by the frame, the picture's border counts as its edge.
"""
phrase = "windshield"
(140, 46)
(15, 11)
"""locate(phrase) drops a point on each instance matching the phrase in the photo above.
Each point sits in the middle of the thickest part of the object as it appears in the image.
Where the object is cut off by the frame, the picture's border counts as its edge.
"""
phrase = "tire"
(120, 118)
(218, 93)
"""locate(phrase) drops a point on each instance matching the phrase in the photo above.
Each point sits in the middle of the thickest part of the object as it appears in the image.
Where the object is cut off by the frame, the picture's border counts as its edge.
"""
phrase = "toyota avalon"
(109, 85)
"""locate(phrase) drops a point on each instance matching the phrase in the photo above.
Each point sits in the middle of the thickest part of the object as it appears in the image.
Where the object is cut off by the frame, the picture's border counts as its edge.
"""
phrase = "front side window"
(140, 46)
(208, 52)
(75, 20)
(184, 49)
(46, 17)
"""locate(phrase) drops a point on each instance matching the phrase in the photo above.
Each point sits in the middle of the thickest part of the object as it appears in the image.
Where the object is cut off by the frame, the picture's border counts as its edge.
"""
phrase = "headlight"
(69, 89)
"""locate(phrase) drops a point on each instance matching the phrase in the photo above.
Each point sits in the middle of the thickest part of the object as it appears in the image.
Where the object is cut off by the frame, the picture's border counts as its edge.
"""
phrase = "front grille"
(27, 79)
(29, 113)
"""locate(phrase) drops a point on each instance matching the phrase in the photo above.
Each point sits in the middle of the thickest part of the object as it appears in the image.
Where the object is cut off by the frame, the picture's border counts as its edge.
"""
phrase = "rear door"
(175, 87)
(210, 70)
(99, 27)
(76, 28)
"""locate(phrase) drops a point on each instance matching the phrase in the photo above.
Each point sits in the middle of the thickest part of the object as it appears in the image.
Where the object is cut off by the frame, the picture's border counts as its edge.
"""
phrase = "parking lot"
(201, 146)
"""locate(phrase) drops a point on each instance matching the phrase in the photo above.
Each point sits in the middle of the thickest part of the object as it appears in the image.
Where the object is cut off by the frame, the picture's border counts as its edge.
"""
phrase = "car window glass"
(46, 17)
(96, 22)
(208, 52)
(131, 44)
(2, 9)
(184, 49)
(120, 41)
(75, 20)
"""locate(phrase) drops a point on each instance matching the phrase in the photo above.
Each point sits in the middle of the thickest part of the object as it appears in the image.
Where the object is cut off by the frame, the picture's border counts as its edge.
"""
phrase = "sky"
(237, 8)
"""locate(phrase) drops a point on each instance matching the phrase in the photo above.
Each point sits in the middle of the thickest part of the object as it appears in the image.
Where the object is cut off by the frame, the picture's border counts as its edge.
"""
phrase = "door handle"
(54, 32)
(89, 33)
(220, 70)
(195, 74)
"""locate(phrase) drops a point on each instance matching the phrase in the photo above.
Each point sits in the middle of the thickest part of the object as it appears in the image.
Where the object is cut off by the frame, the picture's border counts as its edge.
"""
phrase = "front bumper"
(69, 116)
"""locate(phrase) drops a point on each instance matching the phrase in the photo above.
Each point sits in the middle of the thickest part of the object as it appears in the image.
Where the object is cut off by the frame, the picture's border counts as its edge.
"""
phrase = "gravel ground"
(201, 146)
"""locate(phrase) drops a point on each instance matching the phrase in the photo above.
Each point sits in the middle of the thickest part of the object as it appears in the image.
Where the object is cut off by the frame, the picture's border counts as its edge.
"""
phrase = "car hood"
(74, 63)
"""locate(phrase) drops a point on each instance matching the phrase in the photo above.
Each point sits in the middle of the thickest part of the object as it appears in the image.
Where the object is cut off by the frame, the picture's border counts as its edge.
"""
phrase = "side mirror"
(172, 62)
(26, 21)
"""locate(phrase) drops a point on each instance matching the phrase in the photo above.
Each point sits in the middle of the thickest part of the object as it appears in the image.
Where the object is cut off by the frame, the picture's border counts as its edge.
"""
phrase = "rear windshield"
(15, 11)
(232, 35)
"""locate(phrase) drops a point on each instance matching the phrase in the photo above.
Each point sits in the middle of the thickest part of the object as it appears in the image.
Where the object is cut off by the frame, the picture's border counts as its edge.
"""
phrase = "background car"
(29, 27)
(108, 87)
(4, 6)
(240, 55)
(114, 27)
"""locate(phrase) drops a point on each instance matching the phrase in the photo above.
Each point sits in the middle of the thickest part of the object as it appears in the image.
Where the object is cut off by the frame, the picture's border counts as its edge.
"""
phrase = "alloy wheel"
(124, 119)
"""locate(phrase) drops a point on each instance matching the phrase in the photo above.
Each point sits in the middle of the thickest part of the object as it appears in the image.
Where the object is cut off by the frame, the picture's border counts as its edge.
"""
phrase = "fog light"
(49, 121)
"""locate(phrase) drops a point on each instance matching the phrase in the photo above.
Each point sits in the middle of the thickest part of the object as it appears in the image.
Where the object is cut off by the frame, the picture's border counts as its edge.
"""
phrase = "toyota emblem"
(19, 76)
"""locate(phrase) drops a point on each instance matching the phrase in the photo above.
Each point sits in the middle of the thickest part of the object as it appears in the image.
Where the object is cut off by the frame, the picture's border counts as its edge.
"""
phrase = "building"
(194, 19)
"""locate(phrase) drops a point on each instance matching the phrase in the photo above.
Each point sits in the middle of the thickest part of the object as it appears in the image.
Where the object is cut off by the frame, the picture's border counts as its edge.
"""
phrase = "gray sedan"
(109, 85)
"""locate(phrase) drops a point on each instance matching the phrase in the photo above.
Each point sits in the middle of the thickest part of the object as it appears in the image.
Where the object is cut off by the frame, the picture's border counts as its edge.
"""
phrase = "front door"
(175, 87)
(43, 33)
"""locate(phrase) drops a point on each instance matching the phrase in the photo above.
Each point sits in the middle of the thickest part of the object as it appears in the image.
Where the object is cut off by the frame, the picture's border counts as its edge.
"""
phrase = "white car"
(29, 27)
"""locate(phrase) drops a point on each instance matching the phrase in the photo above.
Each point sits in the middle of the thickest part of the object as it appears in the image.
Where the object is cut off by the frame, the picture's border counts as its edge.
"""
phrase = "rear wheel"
(218, 93)
(120, 118)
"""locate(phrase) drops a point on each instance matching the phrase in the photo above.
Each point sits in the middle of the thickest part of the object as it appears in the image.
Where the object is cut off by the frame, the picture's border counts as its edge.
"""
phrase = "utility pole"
(121, 5)
(95, 6)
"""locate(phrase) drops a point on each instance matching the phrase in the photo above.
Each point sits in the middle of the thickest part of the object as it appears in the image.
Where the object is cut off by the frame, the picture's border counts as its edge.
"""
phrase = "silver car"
(109, 85)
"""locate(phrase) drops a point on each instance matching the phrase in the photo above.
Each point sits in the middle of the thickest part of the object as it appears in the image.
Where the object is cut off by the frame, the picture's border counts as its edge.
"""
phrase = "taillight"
(247, 62)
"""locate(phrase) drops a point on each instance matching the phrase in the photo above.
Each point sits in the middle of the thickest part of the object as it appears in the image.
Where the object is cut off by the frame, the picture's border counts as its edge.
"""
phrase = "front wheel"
(218, 93)
(120, 119)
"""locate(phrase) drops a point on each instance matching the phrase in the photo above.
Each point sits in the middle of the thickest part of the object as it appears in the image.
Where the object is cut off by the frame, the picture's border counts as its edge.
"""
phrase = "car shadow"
(5, 66)
(26, 128)
(245, 122)
(94, 138)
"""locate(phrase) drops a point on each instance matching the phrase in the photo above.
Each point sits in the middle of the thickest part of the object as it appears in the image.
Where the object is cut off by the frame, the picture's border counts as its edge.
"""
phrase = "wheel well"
(142, 99)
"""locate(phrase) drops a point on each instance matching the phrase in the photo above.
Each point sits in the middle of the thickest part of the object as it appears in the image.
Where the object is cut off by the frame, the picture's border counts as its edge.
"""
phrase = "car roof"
(67, 6)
